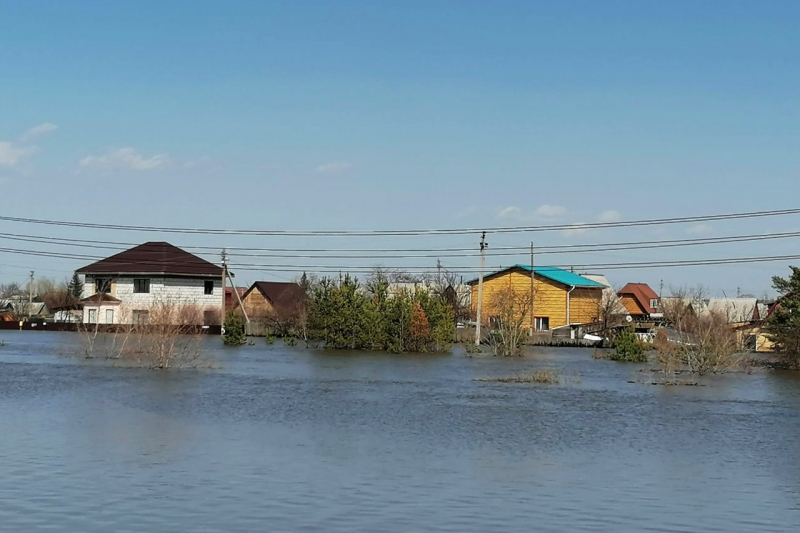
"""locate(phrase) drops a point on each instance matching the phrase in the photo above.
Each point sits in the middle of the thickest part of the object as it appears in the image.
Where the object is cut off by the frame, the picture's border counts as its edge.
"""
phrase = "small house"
(560, 297)
(152, 281)
(640, 301)
(274, 300)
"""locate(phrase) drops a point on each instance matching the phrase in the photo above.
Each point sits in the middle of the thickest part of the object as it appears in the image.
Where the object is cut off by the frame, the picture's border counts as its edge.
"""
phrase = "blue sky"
(376, 115)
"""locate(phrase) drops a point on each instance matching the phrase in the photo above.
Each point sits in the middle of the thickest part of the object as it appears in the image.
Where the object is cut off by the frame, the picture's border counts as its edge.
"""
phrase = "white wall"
(177, 290)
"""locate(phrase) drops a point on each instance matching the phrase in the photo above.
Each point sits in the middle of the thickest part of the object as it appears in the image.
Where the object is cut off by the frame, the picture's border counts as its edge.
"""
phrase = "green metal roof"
(556, 274)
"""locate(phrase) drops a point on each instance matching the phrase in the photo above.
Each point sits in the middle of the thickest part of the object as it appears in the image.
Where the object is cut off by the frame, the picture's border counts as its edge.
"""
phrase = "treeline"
(343, 314)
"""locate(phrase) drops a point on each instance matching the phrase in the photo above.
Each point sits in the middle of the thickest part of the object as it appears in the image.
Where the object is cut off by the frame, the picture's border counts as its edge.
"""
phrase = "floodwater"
(288, 439)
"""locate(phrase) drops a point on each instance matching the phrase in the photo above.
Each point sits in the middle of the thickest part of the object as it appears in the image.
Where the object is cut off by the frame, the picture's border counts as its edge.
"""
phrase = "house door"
(109, 316)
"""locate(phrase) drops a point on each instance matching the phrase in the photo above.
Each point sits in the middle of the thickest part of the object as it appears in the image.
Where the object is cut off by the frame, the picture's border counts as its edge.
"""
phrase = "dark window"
(102, 285)
(140, 317)
(209, 287)
(542, 323)
(141, 285)
(654, 303)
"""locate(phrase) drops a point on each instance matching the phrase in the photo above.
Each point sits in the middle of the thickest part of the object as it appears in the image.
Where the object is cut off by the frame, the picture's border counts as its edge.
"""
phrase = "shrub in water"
(234, 330)
(628, 347)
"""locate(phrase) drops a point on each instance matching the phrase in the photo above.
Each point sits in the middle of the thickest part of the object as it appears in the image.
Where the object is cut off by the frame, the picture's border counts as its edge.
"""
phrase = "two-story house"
(132, 286)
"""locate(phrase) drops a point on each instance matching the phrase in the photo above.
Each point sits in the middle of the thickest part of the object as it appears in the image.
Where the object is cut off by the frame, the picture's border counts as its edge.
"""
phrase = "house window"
(140, 317)
(102, 285)
(109, 316)
(92, 316)
(141, 286)
(542, 323)
(208, 287)
(654, 303)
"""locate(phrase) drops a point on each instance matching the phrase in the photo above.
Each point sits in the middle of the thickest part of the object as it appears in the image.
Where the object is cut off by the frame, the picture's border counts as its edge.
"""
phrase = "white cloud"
(11, 155)
(699, 229)
(38, 131)
(544, 212)
(610, 215)
(126, 159)
(336, 166)
(578, 229)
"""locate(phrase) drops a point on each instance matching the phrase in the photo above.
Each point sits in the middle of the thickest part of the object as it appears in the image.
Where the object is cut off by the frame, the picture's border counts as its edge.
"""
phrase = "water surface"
(290, 439)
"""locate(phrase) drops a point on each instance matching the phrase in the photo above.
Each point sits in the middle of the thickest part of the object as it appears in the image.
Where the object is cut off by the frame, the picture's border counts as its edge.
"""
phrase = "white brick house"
(129, 287)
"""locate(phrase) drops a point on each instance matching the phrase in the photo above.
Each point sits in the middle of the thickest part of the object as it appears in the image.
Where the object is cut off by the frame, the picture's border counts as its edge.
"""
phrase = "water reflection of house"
(561, 298)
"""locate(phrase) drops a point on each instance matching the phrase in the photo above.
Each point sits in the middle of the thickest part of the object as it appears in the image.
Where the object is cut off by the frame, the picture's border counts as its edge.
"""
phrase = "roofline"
(533, 269)
(160, 274)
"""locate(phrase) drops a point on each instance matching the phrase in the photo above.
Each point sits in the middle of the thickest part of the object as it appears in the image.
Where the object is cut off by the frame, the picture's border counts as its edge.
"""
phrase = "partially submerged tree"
(628, 348)
(508, 319)
(234, 330)
(783, 326)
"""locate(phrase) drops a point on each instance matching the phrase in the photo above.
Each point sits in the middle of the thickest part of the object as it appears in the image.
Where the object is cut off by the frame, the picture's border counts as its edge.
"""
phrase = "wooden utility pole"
(224, 256)
(480, 293)
(30, 296)
(533, 317)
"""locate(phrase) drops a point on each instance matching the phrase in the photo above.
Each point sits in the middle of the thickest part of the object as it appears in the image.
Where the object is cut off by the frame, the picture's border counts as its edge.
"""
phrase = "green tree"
(783, 326)
(628, 347)
(75, 287)
(234, 330)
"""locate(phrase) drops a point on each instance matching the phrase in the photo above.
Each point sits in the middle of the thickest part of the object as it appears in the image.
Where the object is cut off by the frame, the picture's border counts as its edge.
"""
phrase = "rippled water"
(288, 439)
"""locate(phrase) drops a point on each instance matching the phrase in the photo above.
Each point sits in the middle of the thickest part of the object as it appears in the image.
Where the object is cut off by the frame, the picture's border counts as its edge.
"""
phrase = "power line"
(410, 232)
(424, 268)
(417, 253)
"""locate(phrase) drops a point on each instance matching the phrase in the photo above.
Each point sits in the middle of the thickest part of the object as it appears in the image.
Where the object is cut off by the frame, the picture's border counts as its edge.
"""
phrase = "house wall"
(174, 290)
(256, 305)
(102, 314)
(550, 298)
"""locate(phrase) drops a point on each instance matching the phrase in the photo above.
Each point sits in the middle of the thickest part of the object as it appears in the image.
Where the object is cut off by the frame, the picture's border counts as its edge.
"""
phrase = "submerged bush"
(628, 348)
(234, 331)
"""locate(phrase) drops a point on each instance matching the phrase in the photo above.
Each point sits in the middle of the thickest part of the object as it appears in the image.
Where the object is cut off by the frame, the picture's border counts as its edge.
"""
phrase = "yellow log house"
(561, 297)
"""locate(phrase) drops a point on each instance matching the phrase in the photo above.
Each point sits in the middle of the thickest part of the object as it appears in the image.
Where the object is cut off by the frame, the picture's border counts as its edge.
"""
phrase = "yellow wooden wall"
(631, 305)
(256, 305)
(550, 298)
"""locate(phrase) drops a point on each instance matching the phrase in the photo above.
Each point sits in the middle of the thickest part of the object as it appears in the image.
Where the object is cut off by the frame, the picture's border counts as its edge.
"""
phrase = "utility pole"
(30, 296)
(439, 273)
(480, 292)
(224, 256)
(533, 317)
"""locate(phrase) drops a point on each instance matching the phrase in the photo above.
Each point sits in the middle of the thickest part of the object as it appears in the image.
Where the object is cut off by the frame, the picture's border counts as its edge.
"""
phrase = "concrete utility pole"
(30, 296)
(480, 292)
(533, 317)
(224, 256)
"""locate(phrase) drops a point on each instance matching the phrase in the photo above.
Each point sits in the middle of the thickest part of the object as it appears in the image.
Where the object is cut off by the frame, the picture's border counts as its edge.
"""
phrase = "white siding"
(175, 290)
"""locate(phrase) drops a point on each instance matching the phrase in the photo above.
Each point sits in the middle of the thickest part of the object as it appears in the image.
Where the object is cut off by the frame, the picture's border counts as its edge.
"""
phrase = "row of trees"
(343, 314)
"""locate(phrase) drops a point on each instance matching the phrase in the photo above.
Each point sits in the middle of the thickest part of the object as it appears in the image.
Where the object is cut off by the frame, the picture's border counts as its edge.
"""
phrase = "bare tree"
(169, 339)
(508, 317)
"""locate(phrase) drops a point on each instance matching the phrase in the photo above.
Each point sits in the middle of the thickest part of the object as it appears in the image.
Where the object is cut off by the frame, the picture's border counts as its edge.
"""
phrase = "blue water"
(289, 439)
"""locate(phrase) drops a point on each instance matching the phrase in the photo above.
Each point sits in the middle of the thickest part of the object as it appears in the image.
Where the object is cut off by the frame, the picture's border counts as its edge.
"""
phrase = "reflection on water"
(286, 439)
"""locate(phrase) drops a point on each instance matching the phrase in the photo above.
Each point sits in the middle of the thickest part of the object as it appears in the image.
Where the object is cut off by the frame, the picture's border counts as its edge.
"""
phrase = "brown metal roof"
(154, 258)
(101, 297)
(285, 296)
(642, 293)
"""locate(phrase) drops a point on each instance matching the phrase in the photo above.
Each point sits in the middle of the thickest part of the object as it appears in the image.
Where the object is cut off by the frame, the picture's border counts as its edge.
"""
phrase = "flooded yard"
(275, 438)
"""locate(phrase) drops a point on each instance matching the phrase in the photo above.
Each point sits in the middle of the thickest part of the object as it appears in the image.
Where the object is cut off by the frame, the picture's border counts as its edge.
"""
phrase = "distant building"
(278, 300)
(640, 301)
(127, 287)
(561, 298)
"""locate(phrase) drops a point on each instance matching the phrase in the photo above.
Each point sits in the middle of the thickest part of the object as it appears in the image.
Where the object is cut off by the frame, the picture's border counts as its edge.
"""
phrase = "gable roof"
(285, 296)
(642, 293)
(559, 275)
(101, 297)
(154, 258)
